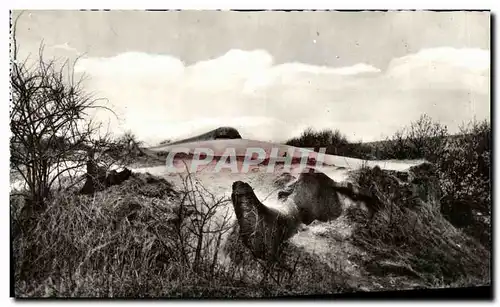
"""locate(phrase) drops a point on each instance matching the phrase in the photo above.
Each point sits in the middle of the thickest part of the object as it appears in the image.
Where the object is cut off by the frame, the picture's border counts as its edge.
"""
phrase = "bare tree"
(52, 132)
(203, 220)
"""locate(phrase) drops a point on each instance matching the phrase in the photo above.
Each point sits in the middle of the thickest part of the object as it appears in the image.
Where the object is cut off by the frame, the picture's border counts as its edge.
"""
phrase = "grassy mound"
(112, 244)
(121, 242)
(128, 241)
(408, 236)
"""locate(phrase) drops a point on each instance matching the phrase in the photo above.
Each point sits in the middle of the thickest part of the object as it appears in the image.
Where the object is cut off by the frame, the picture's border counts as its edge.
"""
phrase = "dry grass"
(118, 243)
(136, 240)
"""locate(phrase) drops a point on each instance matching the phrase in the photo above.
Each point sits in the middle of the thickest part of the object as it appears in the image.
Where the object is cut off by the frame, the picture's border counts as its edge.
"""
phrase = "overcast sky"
(271, 74)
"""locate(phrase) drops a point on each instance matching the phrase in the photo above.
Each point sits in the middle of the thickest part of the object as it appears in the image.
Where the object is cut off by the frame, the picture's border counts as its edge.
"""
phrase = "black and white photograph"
(232, 154)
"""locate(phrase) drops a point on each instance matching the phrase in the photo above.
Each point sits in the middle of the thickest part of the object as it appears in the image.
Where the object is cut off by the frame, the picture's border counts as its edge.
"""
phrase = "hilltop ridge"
(216, 134)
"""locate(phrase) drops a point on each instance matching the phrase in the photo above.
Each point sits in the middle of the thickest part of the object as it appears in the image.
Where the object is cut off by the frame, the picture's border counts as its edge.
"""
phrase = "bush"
(463, 162)
(334, 142)
(465, 173)
(318, 139)
(423, 139)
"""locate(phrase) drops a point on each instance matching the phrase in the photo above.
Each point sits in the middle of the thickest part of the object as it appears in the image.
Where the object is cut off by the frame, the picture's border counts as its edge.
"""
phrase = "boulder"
(261, 229)
(318, 197)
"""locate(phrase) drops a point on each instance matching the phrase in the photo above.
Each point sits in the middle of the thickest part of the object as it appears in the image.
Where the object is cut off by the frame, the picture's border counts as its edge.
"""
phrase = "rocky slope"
(379, 229)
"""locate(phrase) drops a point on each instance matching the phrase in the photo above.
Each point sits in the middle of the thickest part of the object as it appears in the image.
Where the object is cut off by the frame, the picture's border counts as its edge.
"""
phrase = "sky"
(170, 75)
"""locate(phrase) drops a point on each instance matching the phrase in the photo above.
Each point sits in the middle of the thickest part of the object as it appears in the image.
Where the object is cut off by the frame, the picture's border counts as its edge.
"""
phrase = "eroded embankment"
(381, 229)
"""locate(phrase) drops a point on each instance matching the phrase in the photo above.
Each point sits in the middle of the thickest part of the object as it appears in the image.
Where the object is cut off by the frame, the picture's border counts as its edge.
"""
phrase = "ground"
(367, 254)
(328, 241)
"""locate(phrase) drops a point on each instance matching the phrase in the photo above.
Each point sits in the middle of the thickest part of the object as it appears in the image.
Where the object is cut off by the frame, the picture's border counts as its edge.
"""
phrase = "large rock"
(318, 197)
(313, 196)
(262, 229)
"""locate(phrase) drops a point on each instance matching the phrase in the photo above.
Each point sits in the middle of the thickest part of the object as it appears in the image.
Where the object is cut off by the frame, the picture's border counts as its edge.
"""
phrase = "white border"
(195, 4)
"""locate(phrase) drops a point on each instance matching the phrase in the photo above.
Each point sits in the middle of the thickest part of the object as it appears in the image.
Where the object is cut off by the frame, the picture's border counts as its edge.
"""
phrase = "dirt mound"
(145, 184)
(99, 179)
(407, 228)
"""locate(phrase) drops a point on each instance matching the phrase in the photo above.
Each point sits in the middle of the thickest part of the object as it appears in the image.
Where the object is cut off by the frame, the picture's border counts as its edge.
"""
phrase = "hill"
(218, 147)
(216, 134)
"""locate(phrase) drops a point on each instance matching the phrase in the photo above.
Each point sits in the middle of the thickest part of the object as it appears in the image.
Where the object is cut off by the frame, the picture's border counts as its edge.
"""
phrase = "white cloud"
(444, 67)
(291, 72)
(468, 58)
(226, 71)
(159, 97)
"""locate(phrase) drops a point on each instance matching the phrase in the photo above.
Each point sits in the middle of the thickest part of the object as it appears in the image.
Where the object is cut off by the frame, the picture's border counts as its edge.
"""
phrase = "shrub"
(333, 141)
(317, 139)
(423, 138)
(464, 165)
(465, 173)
